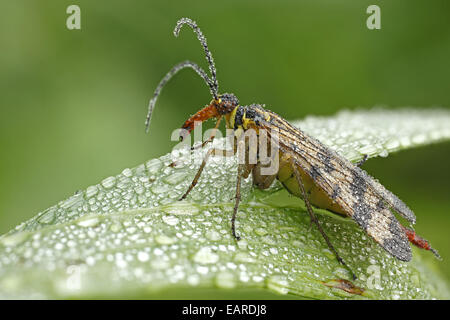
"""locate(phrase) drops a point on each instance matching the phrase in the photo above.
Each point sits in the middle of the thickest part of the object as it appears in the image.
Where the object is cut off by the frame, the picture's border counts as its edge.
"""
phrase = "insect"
(306, 168)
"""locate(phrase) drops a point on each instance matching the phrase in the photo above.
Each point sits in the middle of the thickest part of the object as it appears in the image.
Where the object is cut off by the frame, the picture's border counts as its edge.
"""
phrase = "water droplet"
(383, 153)
(419, 139)
(392, 144)
(244, 258)
(109, 182)
(213, 235)
(159, 264)
(127, 172)
(121, 263)
(193, 280)
(261, 231)
(170, 220)
(205, 256)
(225, 280)
(153, 166)
(182, 208)
(159, 189)
(367, 149)
(242, 244)
(116, 227)
(88, 221)
(273, 250)
(91, 191)
(175, 178)
(342, 273)
(405, 142)
(202, 269)
(47, 217)
(143, 256)
(163, 239)
(278, 284)
(297, 243)
(269, 240)
(90, 261)
(327, 252)
(352, 154)
(147, 229)
(71, 202)
(14, 239)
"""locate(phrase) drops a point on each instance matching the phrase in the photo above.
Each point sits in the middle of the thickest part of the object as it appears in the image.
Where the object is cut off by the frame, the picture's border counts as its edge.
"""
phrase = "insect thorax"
(247, 117)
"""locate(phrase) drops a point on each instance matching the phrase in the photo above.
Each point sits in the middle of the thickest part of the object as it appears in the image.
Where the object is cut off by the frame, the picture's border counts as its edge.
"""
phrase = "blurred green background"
(73, 102)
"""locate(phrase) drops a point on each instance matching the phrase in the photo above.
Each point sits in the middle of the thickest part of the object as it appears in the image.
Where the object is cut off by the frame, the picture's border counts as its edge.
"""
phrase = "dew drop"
(405, 142)
(127, 172)
(71, 201)
(419, 139)
(193, 280)
(269, 240)
(205, 256)
(261, 231)
(278, 284)
(368, 149)
(175, 178)
(242, 244)
(115, 227)
(353, 154)
(47, 217)
(225, 280)
(88, 221)
(384, 153)
(342, 273)
(159, 264)
(163, 239)
(121, 263)
(143, 256)
(213, 235)
(147, 229)
(153, 166)
(109, 182)
(182, 208)
(170, 220)
(14, 239)
(327, 252)
(90, 261)
(392, 144)
(297, 243)
(159, 189)
(244, 258)
(202, 269)
(91, 191)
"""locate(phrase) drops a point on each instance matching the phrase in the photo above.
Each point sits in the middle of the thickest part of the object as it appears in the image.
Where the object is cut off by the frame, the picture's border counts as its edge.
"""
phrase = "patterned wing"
(360, 195)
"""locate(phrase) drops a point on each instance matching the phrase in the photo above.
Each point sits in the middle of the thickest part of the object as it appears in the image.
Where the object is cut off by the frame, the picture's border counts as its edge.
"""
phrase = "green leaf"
(130, 237)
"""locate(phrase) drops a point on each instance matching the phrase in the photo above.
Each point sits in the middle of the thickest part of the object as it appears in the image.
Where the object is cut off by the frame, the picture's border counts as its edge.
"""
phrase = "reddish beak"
(206, 113)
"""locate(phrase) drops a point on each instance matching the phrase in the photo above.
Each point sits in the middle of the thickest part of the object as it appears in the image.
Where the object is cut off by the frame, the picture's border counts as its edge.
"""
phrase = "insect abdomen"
(317, 196)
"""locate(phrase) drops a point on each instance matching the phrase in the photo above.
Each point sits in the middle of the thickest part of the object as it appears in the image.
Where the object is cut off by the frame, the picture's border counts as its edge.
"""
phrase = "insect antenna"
(167, 77)
(202, 39)
(212, 83)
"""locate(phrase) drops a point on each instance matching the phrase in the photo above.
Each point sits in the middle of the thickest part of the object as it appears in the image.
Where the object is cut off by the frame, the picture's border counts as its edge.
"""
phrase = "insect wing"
(350, 187)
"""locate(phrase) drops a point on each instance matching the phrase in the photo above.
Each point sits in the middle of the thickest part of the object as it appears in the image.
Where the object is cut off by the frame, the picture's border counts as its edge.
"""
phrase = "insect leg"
(244, 169)
(314, 218)
(212, 151)
(362, 161)
(211, 138)
(237, 199)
